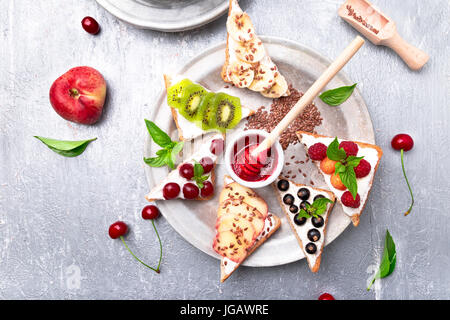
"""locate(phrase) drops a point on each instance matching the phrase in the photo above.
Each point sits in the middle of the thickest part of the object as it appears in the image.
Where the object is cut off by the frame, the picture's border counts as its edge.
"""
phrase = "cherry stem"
(407, 182)
(160, 249)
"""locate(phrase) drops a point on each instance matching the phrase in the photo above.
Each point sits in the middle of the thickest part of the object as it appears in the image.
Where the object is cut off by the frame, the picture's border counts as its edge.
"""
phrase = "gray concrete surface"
(55, 211)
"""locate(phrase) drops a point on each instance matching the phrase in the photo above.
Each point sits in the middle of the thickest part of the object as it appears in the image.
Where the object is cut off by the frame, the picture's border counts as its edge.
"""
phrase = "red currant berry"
(207, 164)
(190, 191)
(150, 212)
(117, 229)
(326, 296)
(216, 146)
(348, 201)
(186, 170)
(362, 169)
(351, 148)
(402, 141)
(317, 151)
(171, 190)
(207, 190)
(90, 25)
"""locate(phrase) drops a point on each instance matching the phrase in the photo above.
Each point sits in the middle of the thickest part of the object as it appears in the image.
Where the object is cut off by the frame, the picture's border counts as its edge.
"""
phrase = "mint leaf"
(337, 96)
(199, 178)
(339, 168)
(304, 214)
(155, 162)
(320, 205)
(66, 148)
(348, 178)
(388, 261)
(353, 161)
(334, 153)
(175, 151)
(166, 156)
(161, 138)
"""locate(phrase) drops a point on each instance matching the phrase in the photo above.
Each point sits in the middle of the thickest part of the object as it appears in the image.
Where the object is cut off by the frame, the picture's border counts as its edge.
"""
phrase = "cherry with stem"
(120, 228)
(404, 142)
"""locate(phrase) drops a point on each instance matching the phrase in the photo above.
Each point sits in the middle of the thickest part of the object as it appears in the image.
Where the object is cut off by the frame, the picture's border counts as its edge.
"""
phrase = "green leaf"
(334, 153)
(304, 214)
(320, 205)
(175, 151)
(337, 96)
(353, 161)
(388, 261)
(348, 178)
(198, 169)
(156, 161)
(64, 147)
(166, 156)
(159, 137)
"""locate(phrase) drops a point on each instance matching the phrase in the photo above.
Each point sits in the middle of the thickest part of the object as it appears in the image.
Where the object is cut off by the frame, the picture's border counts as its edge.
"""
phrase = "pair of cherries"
(119, 229)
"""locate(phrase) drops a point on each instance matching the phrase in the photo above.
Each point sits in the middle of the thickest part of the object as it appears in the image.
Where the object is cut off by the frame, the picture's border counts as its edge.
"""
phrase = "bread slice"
(174, 176)
(301, 231)
(247, 63)
(371, 153)
(188, 130)
(238, 204)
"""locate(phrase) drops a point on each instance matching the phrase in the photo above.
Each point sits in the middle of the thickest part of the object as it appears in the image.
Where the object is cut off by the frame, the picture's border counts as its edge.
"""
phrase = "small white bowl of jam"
(253, 172)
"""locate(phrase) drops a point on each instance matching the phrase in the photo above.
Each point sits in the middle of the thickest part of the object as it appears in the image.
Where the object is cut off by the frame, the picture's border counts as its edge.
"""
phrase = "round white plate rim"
(192, 237)
(167, 27)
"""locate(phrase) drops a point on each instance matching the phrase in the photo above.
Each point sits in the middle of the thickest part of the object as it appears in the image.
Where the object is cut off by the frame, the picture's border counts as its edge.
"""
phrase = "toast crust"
(226, 64)
(224, 276)
(314, 268)
(356, 217)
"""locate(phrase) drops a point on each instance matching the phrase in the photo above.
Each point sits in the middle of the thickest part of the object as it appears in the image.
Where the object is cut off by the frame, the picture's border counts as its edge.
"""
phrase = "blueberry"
(314, 235)
(299, 220)
(293, 208)
(288, 199)
(303, 193)
(303, 205)
(311, 248)
(283, 185)
(319, 196)
(318, 222)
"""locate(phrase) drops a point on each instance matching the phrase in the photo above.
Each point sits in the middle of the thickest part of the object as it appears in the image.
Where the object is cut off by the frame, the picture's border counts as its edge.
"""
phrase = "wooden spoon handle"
(309, 95)
(413, 57)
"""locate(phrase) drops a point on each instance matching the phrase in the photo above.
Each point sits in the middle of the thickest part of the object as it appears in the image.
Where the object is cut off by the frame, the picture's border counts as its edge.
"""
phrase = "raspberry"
(348, 201)
(317, 151)
(363, 169)
(351, 148)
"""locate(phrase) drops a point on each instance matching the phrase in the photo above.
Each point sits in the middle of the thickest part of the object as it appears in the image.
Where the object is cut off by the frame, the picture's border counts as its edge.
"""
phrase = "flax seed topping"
(267, 120)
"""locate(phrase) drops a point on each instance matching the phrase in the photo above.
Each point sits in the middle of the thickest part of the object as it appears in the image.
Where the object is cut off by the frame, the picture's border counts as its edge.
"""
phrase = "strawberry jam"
(250, 168)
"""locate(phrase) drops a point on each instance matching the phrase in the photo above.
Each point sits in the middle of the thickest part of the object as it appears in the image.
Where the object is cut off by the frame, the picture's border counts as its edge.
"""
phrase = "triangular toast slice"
(174, 176)
(371, 153)
(310, 232)
(188, 130)
(247, 63)
(243, 224)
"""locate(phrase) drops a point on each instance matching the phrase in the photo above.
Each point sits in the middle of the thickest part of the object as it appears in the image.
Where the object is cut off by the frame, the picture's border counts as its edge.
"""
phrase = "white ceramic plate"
(195, 220)
(166, 15)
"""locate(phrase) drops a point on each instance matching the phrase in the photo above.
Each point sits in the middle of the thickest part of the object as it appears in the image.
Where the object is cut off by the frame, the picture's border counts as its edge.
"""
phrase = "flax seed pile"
(267, 120)
(351, 12)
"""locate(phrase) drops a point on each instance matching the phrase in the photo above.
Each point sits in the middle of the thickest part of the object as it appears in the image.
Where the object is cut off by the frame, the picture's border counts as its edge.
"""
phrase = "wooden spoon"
(309, 95)
(381, 30)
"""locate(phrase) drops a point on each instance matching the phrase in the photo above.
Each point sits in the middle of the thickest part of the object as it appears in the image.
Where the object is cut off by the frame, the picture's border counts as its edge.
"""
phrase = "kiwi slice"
(206, 111)
(176, 93)
(191, 102)
(227, 112)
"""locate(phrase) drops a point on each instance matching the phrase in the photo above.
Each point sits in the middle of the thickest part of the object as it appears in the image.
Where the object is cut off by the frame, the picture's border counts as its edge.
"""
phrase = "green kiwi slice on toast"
(192, 98)
(206, 112)
(176, 93)
(227, 112)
